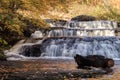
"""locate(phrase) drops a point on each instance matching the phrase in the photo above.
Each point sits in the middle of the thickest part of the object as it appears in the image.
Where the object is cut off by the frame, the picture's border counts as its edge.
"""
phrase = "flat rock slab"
(44, 69)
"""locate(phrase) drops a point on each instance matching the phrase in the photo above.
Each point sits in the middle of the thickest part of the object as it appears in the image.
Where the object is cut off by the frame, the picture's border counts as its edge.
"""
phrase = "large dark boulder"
(31, 51)
(83, 18)
(94, 61)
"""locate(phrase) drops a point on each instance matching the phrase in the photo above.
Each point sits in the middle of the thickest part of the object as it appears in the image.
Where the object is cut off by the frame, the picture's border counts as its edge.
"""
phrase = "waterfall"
(68, 47)
(90, 28)
(52, 49)
(69, 39)
(78, 33)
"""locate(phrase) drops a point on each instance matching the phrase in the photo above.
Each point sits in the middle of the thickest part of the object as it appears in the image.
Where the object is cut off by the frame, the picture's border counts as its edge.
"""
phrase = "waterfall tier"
(70, 46)
(73, 28)
(85, 24)
(81, 32)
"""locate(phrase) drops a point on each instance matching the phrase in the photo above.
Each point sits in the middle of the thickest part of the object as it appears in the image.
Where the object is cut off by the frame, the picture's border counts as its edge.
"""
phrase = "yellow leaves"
(115, 4)
(1, 10)
(17, 28)
(42, 7)
(37, 22)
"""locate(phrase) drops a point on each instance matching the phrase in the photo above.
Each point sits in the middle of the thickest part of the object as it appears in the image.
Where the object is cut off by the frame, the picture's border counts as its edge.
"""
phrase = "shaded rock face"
(117, 31)
(31, 51)
(118, 25)
(10, 36)
(94, 61)
(83, 18)
(29, 30)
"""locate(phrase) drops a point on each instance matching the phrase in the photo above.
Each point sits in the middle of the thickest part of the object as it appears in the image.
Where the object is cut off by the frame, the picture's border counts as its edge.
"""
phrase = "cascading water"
(90, 28)
(68, 47)
(84, 38)
(80, 32)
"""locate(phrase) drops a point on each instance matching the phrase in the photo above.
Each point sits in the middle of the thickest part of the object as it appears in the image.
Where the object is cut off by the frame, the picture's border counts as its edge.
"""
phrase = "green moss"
(2, 57)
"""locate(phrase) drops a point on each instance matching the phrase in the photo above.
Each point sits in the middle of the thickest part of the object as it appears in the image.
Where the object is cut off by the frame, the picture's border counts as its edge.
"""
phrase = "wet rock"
(83, 18)
(118, 24)
(31, 51)
(94, 61)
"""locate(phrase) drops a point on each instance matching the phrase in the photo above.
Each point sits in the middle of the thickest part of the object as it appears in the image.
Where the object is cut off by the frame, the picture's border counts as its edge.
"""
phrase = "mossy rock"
(83, 18)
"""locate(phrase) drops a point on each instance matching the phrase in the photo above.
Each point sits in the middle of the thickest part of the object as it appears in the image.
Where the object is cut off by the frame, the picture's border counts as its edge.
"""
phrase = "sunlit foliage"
(16, 14)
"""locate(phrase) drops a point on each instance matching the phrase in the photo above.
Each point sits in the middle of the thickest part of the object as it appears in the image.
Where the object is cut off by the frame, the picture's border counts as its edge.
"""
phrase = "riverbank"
(51, 69)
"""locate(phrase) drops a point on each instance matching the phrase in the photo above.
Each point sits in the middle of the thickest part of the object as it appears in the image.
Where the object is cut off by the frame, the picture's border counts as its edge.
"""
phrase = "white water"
(68, 47)
(37, 34)
(87, 24)
(89, 28)
(92, 42)
(79, 33)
